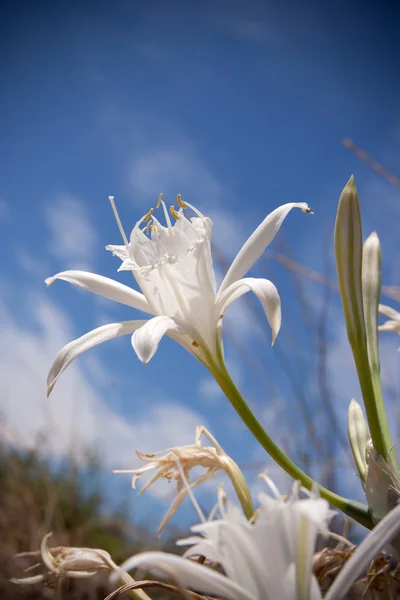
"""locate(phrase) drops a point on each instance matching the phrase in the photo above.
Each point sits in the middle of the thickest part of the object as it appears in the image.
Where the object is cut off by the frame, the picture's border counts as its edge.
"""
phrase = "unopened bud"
(359, 437)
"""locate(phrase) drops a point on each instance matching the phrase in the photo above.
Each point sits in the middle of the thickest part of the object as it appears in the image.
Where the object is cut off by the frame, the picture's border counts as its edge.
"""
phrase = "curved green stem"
(355, 510)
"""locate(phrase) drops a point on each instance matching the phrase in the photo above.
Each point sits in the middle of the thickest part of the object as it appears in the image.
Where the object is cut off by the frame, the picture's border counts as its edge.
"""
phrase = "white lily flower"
(173, 268)
(393, 324)
(176, 463)
(268, 558)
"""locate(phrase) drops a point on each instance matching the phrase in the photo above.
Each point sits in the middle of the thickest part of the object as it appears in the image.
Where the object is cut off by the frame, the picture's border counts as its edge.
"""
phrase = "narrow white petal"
(254, 247)
(28, 580)
(47, 557)
(383, 533)
(87, 341)
(390, 326)
(146, 339)
(103, 286)
(389, 312)
(265, 291)
(188, 573)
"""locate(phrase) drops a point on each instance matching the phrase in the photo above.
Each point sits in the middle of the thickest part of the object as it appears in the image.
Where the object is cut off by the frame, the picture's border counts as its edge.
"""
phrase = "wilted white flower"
(63, 562)
(176, 463)
(173, 268)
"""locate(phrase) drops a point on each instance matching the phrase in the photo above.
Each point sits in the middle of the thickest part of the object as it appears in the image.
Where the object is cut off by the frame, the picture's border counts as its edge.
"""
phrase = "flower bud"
(359, 437)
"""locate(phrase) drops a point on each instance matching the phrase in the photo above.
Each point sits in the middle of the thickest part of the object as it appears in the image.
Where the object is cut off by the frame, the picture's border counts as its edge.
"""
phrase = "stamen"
(181, 202)
(159, 200)
(270, 484)
(147, 215)
(148, 226)
(173, 212)
(153, 228)
(189, 491)
(116, 215)
(194, 209)
(307, 210)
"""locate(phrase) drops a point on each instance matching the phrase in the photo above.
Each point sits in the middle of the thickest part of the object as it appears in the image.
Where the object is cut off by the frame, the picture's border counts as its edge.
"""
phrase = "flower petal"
(265, 291)
(390, 326)
(383, 533)
(28, 580)
(103, 286)
(87, 341)
(47, 557)
(389, 312)
(146, 339)
(254, 247)
(189, 574)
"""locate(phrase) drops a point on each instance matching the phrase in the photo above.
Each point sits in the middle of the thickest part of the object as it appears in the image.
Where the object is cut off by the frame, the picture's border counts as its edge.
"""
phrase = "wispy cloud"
(5, 210)
(72, 235)
(174, 170)
(76, 413)
(36, 267)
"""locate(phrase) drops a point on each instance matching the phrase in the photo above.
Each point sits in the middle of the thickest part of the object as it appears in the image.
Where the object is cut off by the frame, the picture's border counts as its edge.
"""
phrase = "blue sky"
(239, 106)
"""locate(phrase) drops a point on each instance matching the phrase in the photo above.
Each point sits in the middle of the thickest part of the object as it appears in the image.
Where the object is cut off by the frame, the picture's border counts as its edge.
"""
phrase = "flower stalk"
(353, 509)
(349, 259)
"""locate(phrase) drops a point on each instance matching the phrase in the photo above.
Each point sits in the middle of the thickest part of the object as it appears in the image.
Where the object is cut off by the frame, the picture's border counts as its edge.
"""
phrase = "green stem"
(355, 510)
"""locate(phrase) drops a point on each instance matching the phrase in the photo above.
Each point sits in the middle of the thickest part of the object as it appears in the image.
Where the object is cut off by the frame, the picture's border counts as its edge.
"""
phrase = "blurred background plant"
(68, 498)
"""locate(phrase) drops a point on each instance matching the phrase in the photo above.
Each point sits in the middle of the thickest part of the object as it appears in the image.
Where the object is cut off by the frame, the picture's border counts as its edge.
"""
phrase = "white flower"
(173, 268)
(62, 562)
(176, 463)
(269, 559)
(266, 559)
(394, 319)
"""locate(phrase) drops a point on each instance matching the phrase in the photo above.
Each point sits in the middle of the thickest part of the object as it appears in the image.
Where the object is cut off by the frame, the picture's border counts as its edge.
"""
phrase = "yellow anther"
(180, 201)
(147, 217)
(159, 201)
(173, 212)
(148, 226)
(153, 228)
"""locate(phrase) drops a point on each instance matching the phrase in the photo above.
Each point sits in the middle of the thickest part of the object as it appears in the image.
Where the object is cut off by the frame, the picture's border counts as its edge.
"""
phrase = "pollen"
(153, 228)
(159, 201)
(148, 215)
(180, 201)
(195, 344)
(173, 212)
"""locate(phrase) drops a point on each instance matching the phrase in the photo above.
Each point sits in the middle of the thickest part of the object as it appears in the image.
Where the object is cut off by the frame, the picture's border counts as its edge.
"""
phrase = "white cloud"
(174, 170)
(5, 210)
(209, 389)
(32, 265)
(75, 414)
(73, 238)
